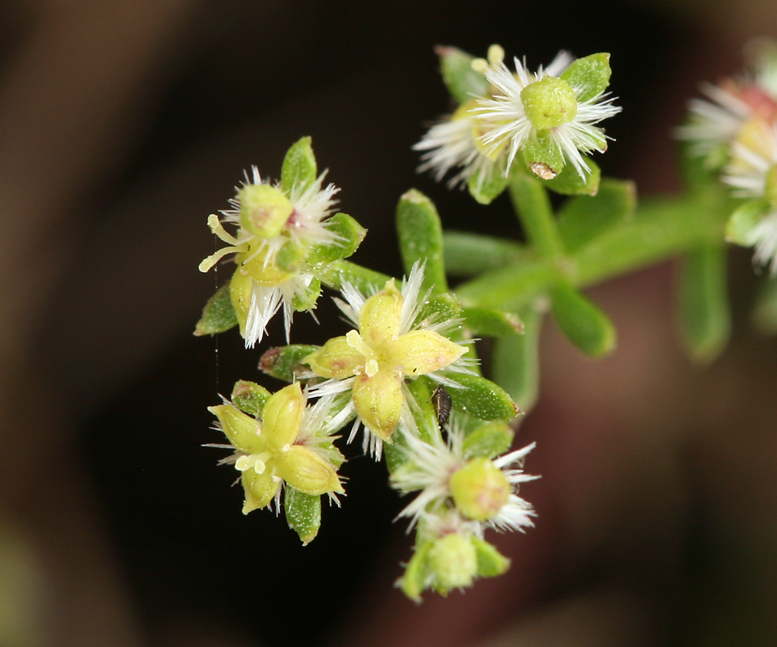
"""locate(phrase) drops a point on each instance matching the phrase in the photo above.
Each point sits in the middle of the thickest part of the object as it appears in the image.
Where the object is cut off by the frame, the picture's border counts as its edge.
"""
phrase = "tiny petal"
(259, 489)
(282, 416)
(307, 472)
(378, 401)
(422, 351)
(380, 317)
(336, 359)
(243, 431)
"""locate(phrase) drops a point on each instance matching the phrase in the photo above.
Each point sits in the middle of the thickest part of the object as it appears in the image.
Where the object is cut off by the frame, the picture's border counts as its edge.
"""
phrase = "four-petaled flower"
(277, 226)
(483, 491)
(387, 347)
(291, 444)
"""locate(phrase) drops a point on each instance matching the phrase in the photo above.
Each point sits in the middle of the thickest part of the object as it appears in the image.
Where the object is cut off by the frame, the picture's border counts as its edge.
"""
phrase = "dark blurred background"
(123, 124)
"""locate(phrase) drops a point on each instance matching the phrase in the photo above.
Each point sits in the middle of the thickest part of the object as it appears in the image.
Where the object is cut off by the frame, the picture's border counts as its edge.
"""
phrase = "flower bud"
(549, 103)
(264, 209)
(479, 489)
(454, 562)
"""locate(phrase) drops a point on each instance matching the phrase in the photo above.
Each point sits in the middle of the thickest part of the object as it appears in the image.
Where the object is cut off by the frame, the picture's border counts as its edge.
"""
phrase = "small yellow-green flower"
(374, 360)
(290, 444)
(277, 226)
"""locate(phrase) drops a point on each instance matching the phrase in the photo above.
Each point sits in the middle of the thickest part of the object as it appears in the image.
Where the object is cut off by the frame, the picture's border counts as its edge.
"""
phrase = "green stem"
(532, 204)
(660, 229)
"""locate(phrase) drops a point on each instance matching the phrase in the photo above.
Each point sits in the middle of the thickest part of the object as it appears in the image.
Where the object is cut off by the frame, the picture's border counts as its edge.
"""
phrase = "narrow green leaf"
(338, 273)
(425, 415)
(515, 361)
(705, 314)
(349, 234)
(250, 397)
(302, 302)
(413, 582)
(286, 362)
(489, 322)
(489, 440)
(583, 322)
(441, 307)
(457, 74)
(420, 238)
(542, 157)
(303, 513)
(468, 254)
(589, 75)
(489, 182)
(482, 398)
(583, 218)
(569, 181)
(490, 561)
(299, 166)
(218, 314)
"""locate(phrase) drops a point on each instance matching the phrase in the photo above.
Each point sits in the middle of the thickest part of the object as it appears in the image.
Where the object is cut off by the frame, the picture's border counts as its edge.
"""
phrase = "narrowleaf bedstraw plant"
(404, 371)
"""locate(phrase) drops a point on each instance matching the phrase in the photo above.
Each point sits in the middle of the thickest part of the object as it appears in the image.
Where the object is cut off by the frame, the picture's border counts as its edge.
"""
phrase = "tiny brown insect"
(441, 400)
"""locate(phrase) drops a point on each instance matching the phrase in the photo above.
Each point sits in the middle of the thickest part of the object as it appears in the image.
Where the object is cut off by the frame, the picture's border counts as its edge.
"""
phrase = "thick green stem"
(532, 204)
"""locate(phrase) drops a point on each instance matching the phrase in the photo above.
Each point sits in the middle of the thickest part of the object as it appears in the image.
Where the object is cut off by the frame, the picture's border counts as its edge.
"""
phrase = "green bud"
(453, 561)
(479, 489)
(461, 80)
(549, 103)
(286, 362)
(264, 209)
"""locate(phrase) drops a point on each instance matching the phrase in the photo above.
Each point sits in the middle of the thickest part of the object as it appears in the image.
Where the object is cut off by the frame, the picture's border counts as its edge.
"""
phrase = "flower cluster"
(510, 120)
(735, 130)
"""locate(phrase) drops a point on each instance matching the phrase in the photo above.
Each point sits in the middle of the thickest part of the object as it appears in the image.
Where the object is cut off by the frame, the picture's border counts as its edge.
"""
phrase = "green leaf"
(442, 307)
(490, 322)
(420, 239)
(338, 273)
(490, 561)
(302, 302)
(515, 361)
(739, 228)
(489, 440)
(303, 513)
(569, 181)
(413, 582)
(457, 74)
(349, 234)
(583, 322)
(468, 254)
(489, 182)
(286, 362)
(250, 397)
(583, 218)
(299, 166)
(705, 314)
(218, 314)
(589, 75)
(482, 398)
(542, 157)
(291, 256)
(425, 415)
